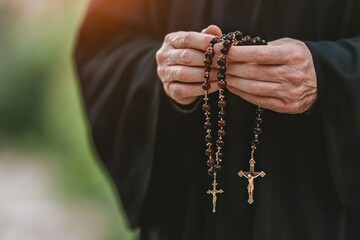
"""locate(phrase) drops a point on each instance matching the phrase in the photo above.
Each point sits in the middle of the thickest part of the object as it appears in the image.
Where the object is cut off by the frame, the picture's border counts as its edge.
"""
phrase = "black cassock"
(156, 153)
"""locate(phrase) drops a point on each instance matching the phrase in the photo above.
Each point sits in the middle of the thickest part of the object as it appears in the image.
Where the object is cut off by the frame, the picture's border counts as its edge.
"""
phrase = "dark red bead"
(255, 142)
(206, 86)
(207, 125)
(222, 84)
(211, 171)
(214, 40)
(209, 152)
(259, 111)
(239, 35)
(224, 50)
(220, 143)
(221, 114)
(221, 76)
(217, 168)
(228, 37)
(209, 54)
(222, 69)
(222, 103)
(221, 133)
(222, 123)
(221, 61)
(227, 44)
(207, 68)
(210, 162)
(257, 130)
(207, 61)
(206, 107)
(258, 120)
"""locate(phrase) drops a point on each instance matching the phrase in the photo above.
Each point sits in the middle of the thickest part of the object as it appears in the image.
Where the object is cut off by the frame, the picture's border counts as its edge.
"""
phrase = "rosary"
(215, 157)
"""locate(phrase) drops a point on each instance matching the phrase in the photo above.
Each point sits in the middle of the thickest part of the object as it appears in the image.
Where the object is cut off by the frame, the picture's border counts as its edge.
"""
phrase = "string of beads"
(214, 159)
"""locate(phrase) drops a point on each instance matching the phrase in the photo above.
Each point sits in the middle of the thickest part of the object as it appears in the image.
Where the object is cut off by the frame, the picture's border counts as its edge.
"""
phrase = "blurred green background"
(51, 184)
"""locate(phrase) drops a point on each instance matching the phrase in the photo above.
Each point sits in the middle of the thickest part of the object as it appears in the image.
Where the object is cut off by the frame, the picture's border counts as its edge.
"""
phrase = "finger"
(259, 88)
(187, 57)
(213, 30)
(180, 91)
(268, 73)
(184, 74)
(271, 103)
(266, 54)
(194, 40)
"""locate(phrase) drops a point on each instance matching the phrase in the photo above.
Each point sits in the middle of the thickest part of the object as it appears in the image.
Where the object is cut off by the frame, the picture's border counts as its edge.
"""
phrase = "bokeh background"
(51, 184)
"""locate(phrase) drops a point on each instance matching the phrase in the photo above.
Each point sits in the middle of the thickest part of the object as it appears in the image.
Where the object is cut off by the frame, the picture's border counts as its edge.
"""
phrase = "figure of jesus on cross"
(251, 175)
(214, 193)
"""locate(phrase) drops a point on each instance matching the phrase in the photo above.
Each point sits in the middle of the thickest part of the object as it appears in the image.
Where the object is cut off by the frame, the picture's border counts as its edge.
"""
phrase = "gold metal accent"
(213, 192)
(251, 175)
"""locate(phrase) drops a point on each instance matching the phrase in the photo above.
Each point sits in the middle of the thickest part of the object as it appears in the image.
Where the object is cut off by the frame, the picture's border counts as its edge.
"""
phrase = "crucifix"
(251, 175)
(213, 192)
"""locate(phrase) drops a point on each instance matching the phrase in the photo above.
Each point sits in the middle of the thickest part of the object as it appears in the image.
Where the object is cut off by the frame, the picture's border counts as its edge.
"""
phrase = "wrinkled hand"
(280, 76)
(181, 64)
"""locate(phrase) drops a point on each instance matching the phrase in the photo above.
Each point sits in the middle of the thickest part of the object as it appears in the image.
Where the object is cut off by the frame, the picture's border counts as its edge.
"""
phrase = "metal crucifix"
(251, 175)
(213, 192)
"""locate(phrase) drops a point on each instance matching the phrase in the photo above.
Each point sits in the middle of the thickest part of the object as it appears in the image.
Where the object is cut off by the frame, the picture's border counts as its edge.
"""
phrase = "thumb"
(213, 30)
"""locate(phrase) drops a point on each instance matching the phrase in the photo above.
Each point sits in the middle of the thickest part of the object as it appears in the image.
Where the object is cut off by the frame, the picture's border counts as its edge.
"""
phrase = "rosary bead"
(221, 76)
(239, 35)
(210, 162)
(222, 103)
(257, 130)
(207, 61)
(256, 142)
(222, 69)
(221, 61)
(221, 133)
(224, 50)
(263, 42)
(227, 44)
(217, 167)
(221, 123)
(221, 114)
(209, 152)
(214, 40)
(259, 111)
(220, 143)
(208, 138)
(258, 120)
(211, 171)
(210, 54)
(247, 40)
(206, 86)
(240, 43)
(207, 125)
(207, 68)
(220, 155)
(206, 107)
(222, 84)
(228, 37)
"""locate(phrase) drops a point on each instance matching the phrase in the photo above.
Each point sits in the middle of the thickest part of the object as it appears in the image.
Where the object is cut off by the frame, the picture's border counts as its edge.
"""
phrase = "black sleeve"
(115, 59)
(337, 66)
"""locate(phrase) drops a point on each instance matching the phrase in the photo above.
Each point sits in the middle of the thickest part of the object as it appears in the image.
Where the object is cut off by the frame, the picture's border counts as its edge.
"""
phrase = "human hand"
(181, 64)
(280, 76)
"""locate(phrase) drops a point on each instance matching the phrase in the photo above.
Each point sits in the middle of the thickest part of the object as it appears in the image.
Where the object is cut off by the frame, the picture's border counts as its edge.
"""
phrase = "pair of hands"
(279, 76)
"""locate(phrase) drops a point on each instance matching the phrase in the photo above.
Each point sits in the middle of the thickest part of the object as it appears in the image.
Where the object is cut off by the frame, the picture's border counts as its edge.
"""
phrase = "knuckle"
(293, 107)
(185, 39)
(181, 74)
(297, 56)
(160, 56)
(168, 37)
(160, 72)
(185, 56)
(295, 77)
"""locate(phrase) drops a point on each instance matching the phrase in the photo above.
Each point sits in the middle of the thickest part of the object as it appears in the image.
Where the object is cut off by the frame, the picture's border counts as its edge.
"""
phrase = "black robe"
(156, 153)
